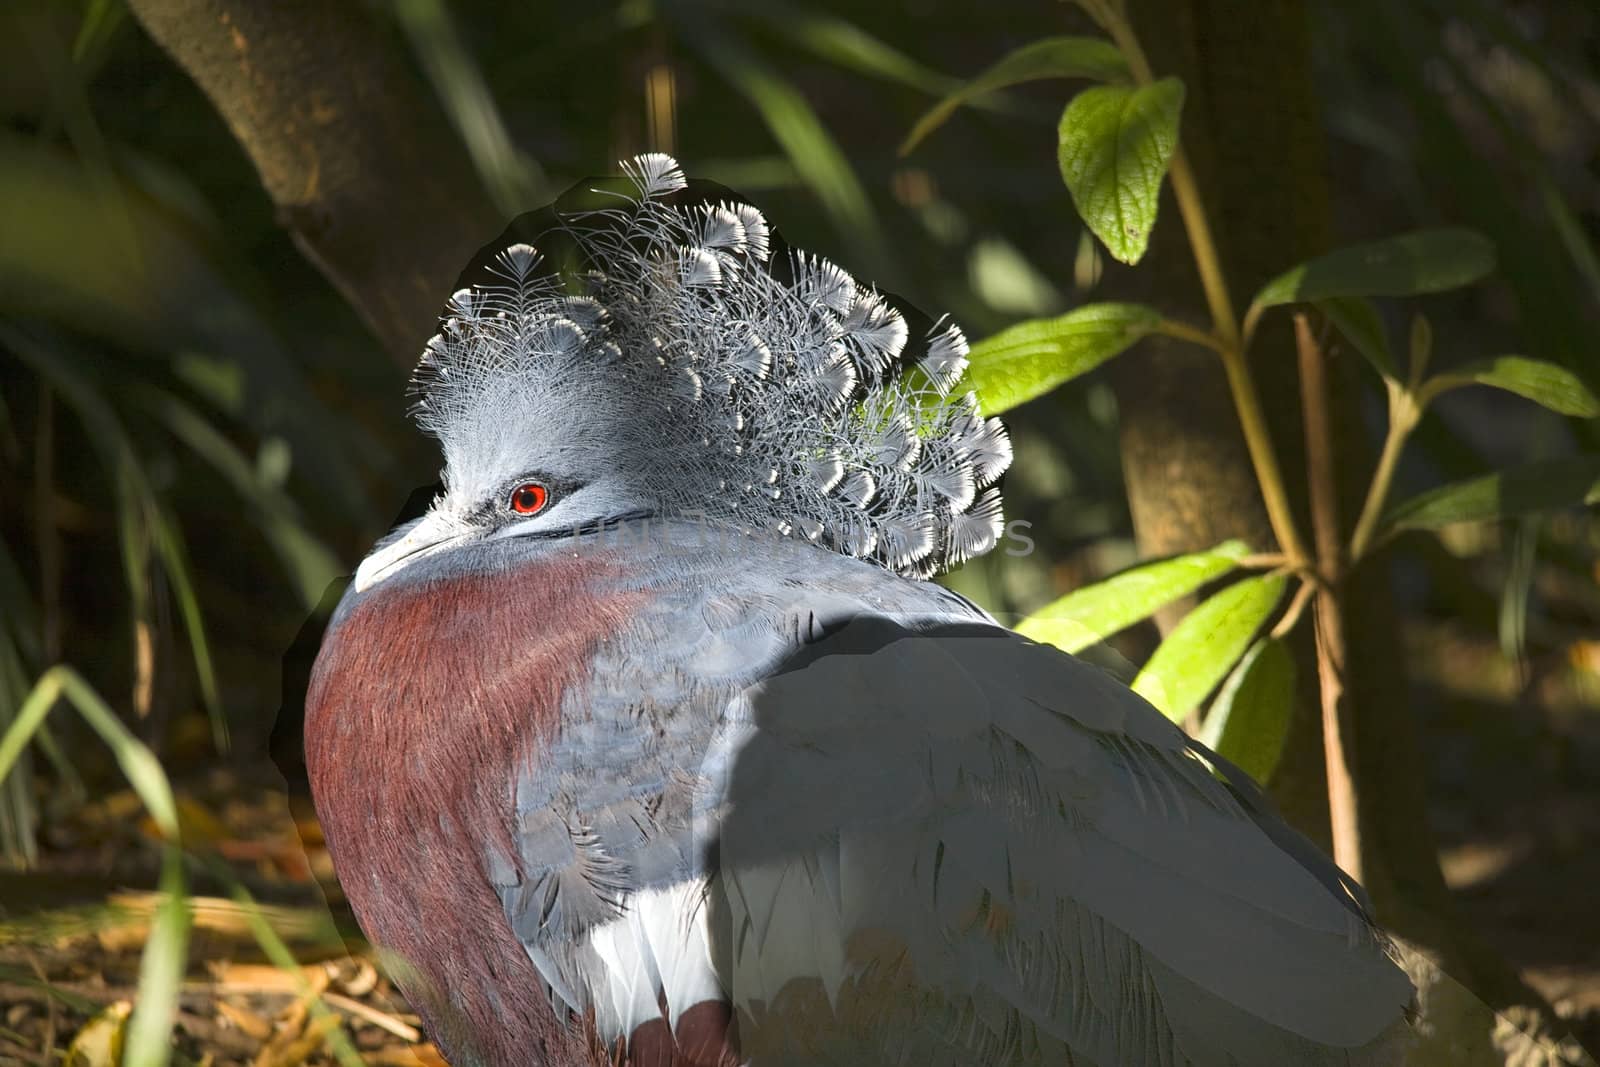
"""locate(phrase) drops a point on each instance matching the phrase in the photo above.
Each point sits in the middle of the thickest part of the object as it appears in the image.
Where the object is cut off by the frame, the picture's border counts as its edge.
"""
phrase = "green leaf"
(1426, 261)
(1115, 143)
(1201, 649)
(1361, 325)
(1055, 57)
(1249, 720)
(1031, 358)
(1544, 383)
(1522, 490)
(1095, 612)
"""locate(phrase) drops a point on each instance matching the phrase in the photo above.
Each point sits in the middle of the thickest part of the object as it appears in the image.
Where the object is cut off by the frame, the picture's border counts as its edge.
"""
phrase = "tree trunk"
(353, 151)
(1252, 130)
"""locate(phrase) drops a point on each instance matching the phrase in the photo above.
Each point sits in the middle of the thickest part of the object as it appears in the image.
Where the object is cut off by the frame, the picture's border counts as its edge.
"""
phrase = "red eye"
(528, 499)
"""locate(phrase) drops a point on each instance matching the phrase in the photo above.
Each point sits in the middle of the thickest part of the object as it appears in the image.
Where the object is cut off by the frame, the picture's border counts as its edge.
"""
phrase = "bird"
(653, 743)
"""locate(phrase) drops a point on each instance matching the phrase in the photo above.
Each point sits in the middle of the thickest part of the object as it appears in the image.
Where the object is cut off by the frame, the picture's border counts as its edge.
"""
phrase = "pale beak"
(432, 533)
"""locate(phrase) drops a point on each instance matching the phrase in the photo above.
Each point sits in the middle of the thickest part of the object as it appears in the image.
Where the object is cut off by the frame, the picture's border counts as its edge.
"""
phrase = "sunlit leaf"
(1095, 612)
(99, 1043)
(1115, 144)
(1202, 648)
(1249, 720)
(1361, 325)
(1544, 486)
(1055, 57)
(1032, 358)
(1547, 384)
(1426, 261)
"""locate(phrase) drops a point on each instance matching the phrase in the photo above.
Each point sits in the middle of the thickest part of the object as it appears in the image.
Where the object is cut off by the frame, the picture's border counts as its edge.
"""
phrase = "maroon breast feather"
(424, 702)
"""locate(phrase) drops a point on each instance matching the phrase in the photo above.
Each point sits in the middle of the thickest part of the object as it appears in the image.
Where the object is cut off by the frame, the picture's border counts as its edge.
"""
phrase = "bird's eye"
(529, 498)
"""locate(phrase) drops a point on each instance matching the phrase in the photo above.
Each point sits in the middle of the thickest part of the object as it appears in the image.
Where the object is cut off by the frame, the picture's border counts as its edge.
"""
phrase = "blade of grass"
(306, 560)
(281, 957)
(845, 44)
(513, 179)
(157, 283)
(19, 815)
(169, 545)
(145, 525)
(165, 954)
(801, 134)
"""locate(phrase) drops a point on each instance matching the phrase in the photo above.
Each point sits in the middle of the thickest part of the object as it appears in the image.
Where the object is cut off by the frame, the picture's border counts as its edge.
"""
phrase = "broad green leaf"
(1361, 325)
(1249, 720)
(1201, 649)
(1115, 144)
(1032, 358)
(1055, 57)
(1544, 486)
(1544, 383)
(1426, 261)
(1095, 612)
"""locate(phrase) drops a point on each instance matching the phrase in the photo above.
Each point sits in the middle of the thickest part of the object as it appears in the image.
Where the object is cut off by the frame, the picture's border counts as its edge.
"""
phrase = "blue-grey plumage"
(862, 786)
(741, 788)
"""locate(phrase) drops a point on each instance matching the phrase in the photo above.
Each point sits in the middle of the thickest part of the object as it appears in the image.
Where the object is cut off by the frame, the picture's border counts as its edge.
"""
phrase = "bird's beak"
(431, 533)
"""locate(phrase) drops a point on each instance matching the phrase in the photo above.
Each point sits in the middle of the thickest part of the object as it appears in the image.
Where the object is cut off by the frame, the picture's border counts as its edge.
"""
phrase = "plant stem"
(1297, 607)
(1184, 189)
(1227, 341)
(1182, 331)
(1337, 739)
(1259, 441)
(1404, 411)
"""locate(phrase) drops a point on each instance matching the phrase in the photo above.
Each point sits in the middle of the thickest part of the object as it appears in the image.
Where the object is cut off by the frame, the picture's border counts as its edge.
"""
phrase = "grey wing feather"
(971, 848)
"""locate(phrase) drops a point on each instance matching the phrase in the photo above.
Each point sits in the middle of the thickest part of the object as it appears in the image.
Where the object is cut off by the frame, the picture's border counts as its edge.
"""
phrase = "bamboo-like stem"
(1337, 742)
(1404, 412)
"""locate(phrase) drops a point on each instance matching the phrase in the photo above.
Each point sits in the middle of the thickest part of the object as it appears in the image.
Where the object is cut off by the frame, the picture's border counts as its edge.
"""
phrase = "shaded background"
(203, 356)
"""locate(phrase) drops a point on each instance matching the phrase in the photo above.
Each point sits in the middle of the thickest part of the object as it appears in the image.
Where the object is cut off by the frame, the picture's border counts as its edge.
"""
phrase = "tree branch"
(351, 148)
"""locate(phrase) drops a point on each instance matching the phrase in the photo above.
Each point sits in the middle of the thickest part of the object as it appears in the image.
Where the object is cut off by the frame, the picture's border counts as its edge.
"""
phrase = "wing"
(872, 827)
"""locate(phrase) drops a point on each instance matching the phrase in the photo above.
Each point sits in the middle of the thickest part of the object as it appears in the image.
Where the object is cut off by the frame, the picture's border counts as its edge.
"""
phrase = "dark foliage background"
(198, 430)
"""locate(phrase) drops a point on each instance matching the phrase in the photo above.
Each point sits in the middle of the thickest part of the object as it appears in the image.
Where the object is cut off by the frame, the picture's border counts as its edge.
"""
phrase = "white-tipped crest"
(767, 395)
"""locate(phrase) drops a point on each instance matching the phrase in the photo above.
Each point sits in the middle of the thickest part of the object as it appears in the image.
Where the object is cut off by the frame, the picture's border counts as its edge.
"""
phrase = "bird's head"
(665, 355)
